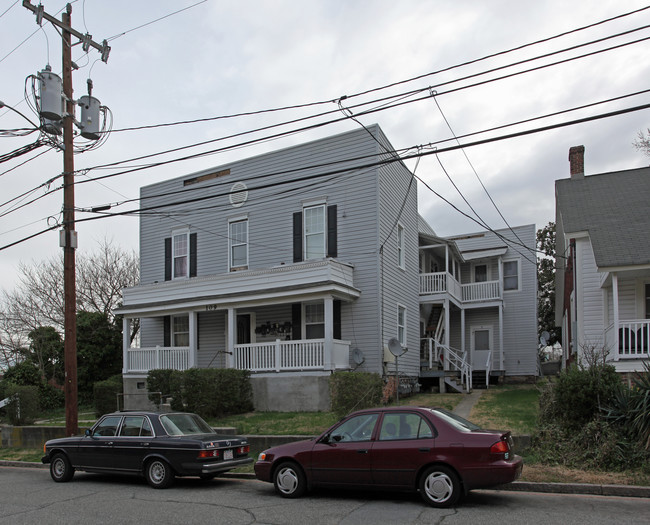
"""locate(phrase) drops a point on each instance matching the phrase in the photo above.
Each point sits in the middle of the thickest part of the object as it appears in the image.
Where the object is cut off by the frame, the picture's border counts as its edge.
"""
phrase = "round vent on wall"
(238, 194)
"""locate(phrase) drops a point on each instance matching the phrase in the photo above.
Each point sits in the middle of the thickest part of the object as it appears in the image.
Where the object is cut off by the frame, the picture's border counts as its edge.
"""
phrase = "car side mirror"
(336, 438)
(88, 433)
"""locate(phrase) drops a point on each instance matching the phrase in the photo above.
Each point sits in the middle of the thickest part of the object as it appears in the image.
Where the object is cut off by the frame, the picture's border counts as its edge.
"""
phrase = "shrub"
(354, 390)
(169, 383)
(578, 395)
(50, 397)
(217, 392)
(105, 394)
(23, 409)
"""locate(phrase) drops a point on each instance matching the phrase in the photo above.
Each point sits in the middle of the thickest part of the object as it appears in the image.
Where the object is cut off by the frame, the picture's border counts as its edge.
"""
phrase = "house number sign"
(211, 307)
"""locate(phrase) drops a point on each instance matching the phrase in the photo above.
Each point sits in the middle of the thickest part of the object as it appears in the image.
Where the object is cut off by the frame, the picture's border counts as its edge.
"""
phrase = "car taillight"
(244, 450)
(500, 447)
(208, 454)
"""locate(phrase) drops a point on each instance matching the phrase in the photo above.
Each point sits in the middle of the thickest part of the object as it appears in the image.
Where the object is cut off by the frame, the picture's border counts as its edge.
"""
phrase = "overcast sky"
(223, 57)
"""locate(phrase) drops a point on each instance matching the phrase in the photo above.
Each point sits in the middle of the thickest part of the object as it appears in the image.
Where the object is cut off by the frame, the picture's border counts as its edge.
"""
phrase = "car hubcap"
(439, 487)
(287, 480)
(59, 468)
(157, 472)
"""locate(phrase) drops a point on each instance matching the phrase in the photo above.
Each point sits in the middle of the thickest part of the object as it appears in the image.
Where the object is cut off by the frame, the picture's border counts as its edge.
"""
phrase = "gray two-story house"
(301, 262)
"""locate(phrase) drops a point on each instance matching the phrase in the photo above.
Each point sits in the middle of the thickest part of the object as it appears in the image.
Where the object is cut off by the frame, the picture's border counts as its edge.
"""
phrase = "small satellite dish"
(357, 356)
(544, 338)
(394, 347)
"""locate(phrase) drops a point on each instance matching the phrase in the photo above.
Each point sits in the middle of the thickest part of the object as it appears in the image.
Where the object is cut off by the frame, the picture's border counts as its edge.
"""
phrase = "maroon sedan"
(398, 448)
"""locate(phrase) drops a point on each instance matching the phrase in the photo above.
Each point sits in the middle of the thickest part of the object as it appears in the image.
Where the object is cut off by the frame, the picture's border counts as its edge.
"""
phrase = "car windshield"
(184, 425)
(456, 421)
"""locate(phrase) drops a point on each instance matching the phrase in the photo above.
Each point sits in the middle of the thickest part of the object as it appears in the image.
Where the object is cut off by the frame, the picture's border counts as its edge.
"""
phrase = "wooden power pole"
(68, 239)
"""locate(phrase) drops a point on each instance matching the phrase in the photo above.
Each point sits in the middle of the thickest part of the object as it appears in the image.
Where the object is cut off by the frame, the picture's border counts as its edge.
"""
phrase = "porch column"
(126, 343)
(616, 322)
(446, 258)
(447, 338)
(501, 338)
(232, 333)
(462, 329)
(500, 280)
(194, 337)
(329, 334)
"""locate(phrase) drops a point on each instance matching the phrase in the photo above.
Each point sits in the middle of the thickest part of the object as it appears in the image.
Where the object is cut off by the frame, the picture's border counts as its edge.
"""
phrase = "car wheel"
(289, 480)
(440, 486)
(159, 474)
(60, 468)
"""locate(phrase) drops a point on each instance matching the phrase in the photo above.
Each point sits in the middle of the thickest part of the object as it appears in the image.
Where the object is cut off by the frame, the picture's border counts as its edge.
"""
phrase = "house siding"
(590, 299)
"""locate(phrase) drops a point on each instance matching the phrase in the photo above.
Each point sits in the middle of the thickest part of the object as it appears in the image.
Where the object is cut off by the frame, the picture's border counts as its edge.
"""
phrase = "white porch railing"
(631, 341)
(307, 354)
(451, 359)
(488, 290)
(145, 359)
(443, 282)
(278, 356)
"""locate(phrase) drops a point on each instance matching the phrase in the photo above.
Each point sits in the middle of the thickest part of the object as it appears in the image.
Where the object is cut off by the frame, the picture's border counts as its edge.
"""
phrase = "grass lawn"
(508, 407)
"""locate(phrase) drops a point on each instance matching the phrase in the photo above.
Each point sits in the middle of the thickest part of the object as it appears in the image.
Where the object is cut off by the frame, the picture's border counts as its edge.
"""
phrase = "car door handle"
(424, 449)
(110, 443)
(362, 451)
(144, 444)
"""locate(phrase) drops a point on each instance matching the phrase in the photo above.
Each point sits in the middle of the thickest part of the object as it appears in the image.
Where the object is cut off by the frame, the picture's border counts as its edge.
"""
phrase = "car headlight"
(262, 457)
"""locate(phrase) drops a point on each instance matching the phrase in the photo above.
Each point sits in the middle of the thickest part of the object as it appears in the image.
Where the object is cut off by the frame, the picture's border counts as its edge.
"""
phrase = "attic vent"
(238, 194)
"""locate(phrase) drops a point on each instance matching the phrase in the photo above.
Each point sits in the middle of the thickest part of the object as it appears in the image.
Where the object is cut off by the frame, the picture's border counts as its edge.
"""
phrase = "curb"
(626, 491)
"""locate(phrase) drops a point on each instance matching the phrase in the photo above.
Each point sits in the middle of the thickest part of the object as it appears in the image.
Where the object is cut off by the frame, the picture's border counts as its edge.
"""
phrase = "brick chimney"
(577, 162)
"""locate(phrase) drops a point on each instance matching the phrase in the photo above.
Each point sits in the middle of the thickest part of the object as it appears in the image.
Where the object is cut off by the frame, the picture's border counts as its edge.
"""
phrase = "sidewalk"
(464, 408)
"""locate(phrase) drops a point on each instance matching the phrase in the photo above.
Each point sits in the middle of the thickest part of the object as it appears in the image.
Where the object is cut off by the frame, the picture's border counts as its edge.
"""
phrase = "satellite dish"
(357, 356)
(544, 338)
(394, 347)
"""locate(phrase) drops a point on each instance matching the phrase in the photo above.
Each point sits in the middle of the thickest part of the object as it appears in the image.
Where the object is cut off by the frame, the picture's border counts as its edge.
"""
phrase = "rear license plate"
(227, 454)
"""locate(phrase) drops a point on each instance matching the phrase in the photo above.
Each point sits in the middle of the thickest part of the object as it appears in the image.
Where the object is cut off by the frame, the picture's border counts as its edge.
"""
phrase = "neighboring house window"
(180, 255)
(480, 273)
(511, 275)
(181, 330)
(238, 241)
(400, 246)
(315, 320)
(314, 232)
(401, 325)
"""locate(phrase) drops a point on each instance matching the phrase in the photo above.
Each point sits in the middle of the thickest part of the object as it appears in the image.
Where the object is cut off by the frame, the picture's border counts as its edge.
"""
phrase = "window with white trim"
(315, 320)
(314, 232)
(401, 324)
(238, 244)
(400, 246)
(180, 330)
(180, 254)
(511, 275)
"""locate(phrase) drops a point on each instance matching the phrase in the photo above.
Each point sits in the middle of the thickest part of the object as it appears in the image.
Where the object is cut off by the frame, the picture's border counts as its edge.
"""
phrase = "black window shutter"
(296, 321)
(297, 236)
(167, 331)
(193, 255)
(168, 259)
(332, 245)
(337, 319)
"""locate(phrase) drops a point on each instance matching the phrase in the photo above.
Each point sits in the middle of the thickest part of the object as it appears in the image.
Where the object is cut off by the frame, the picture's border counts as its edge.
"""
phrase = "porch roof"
(283, 284)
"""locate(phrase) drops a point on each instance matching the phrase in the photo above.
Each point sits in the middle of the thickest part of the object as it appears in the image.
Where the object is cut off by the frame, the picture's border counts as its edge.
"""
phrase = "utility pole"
(68, 239)
(69, 244)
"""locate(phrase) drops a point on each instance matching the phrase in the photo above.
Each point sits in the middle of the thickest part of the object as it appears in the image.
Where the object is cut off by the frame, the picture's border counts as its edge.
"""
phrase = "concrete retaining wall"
(29, 437)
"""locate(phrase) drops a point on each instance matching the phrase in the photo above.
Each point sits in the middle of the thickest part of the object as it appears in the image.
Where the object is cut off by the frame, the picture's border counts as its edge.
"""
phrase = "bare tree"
(642, 142)
(38, 299)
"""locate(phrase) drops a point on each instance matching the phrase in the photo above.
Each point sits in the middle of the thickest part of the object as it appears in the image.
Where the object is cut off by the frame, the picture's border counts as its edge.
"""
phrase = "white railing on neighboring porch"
(145, 359)
(484, 291)
(451, 359)
(278, 356)
(443, 282)
(632, 340)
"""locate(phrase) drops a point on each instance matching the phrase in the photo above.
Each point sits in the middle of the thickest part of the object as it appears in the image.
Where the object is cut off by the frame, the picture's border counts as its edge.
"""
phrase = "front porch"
(277, 356)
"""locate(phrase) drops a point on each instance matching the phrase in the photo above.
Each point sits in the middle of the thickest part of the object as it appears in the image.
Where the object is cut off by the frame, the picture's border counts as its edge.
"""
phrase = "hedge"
(355, 390)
